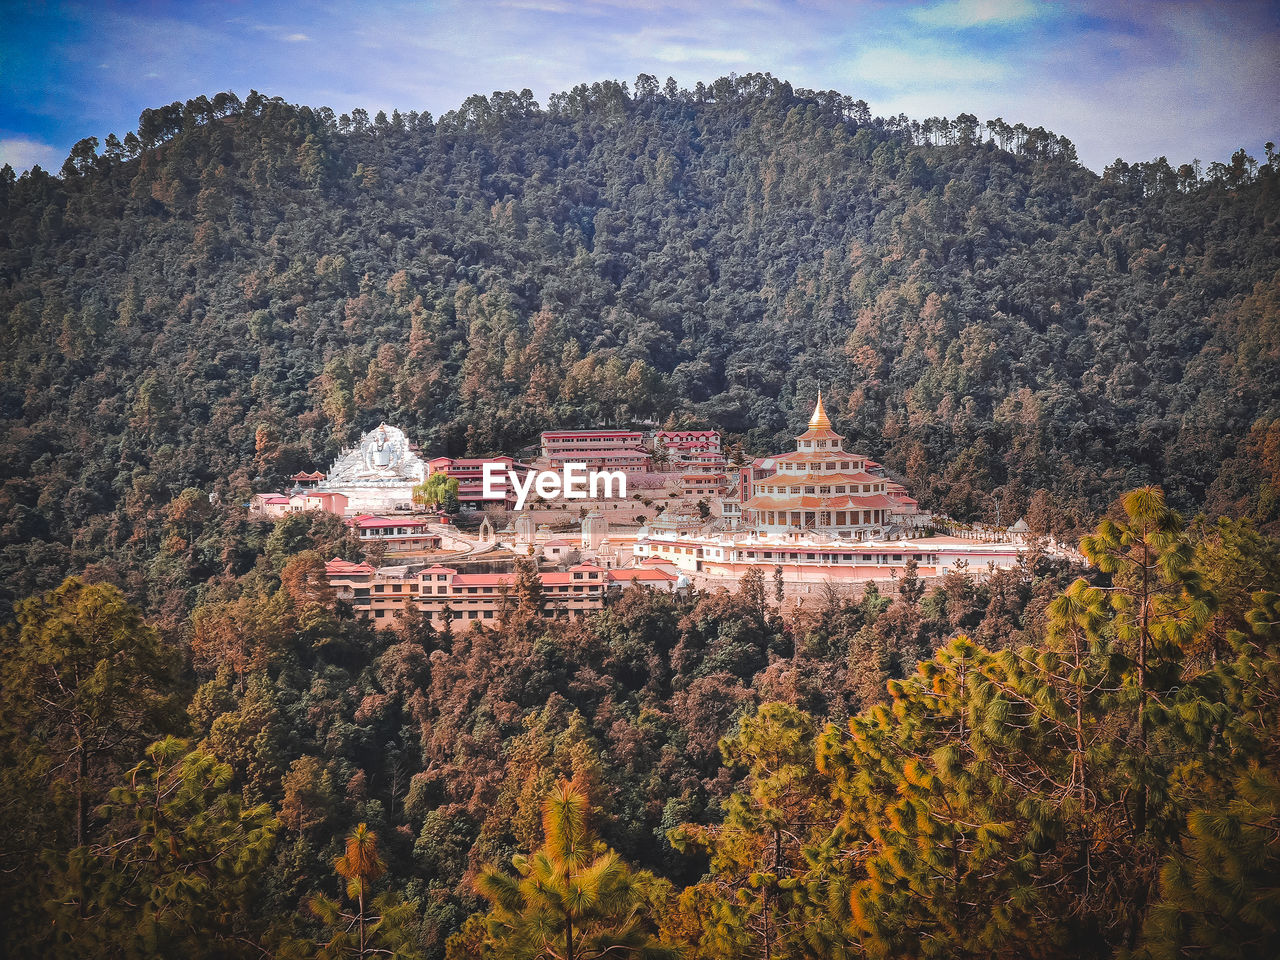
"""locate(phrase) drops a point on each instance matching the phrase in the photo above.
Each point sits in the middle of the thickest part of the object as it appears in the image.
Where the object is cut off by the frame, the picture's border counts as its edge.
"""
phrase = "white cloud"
(22, 153)
(296, 38)
(960, 14)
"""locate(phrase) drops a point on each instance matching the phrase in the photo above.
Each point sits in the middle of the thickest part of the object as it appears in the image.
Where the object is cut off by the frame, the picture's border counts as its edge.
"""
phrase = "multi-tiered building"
(821, 487)
(820, 514)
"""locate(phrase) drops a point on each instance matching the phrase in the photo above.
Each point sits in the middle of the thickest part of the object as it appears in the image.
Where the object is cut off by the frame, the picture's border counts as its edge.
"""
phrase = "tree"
(572, 899)
(83, 685)
(308, 796)
(438, 490)
(1156, 605)
(304, 581)
(753, 904)
(384, 929)
(1218, 892)
(178, 871)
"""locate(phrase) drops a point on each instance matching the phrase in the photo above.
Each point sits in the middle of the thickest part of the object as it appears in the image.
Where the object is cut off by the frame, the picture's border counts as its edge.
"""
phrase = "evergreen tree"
(572, 899)
(177, 871)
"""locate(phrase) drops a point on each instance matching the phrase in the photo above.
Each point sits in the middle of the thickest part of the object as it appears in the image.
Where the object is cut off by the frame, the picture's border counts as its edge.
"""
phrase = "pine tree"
(1156, 605)
(1219, 890)
(572, 899)
(381, 926)
(178, 871)
(757, 901)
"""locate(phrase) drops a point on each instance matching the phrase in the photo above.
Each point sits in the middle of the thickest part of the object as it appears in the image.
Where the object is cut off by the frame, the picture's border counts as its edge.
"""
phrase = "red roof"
(456, 463)
(339, 567)
(555, 434)
(303, 475)
(811, 501)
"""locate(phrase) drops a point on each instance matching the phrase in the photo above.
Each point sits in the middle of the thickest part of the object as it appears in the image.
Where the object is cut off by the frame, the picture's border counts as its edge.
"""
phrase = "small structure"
(594, 529)
(486, 533)
(268, 505)
(526, 533)
(469, 472)
(558, 550)
(400, 535)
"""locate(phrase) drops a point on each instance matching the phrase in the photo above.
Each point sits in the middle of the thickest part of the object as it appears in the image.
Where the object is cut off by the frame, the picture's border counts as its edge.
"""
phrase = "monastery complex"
(818, 515)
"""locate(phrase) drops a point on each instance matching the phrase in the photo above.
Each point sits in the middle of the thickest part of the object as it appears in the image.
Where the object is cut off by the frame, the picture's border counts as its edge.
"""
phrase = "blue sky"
(1131, 79)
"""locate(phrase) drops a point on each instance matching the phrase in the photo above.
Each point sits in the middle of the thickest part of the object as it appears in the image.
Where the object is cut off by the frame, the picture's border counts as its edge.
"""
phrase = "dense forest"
(203, 754)
(238, 288)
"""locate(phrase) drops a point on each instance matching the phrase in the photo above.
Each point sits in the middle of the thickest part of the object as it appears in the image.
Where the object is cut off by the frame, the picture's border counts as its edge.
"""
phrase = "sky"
(1135, 79)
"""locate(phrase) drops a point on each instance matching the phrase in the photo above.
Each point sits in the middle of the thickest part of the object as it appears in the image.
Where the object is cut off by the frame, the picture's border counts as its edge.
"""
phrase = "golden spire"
(819, 418)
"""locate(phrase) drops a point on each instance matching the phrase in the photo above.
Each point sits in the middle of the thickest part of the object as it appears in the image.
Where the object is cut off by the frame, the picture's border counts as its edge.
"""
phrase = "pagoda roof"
(813, 501)
(816, 476)
(819, 424)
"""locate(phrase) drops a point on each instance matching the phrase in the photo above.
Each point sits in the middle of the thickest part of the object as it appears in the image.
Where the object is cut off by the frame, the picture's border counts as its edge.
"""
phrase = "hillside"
(240, 288)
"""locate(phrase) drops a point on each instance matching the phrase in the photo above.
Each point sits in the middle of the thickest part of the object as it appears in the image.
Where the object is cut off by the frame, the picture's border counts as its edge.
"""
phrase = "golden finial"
(819, 418)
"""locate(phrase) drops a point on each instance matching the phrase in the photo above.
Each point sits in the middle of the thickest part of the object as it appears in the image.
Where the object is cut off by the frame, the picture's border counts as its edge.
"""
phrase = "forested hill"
(237, 289)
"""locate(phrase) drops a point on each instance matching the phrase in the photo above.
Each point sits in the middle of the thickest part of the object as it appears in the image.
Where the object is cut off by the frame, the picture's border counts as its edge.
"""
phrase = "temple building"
(820, 514)
(379, 473)
(821, 487)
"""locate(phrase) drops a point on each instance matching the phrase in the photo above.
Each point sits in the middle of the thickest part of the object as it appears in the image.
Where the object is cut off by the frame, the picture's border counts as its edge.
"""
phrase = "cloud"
(296, 38)
(962, 14)
(22, 153)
